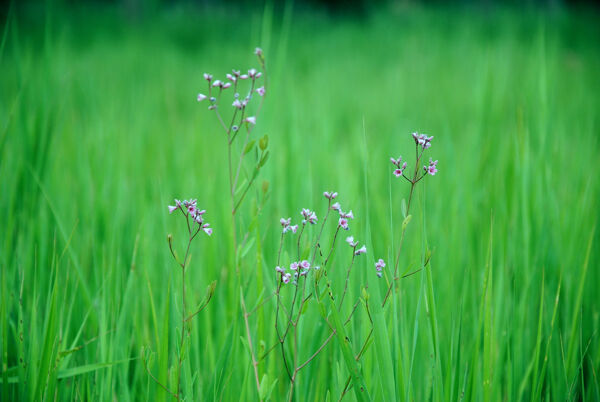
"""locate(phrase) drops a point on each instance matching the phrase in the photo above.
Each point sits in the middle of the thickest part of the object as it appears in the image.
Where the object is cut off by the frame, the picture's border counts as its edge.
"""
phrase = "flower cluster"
(287, 226)
(190, 209)
(379, 265)
(297, 268)
(309, 216)
(432, 168)
(422, 140)
(216, 87)
(330, 195)
(399, 168)
(353, 243)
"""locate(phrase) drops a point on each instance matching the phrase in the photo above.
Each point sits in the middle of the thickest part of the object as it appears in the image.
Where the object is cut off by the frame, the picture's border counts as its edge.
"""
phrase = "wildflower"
(192, 210)
(286, 278)
(294, 228)
(236, 73)
(285, 222)
(336, 207)
(351, 242)
(361, 250)
(343, 223)
(330, 195)
(217, 84)
(294, 266)
(226, 85)
(243, 77)
(398, 172)
(379, 265)
(207, 229)
(305, 264)
(252, 72)
(231, 78)
(347, 215)
(236, 103)
(423, 140)
(280, 270)
(432, 168)
(261, 91)
(201, 97)
(258, 51)
(309, 216)
(208, 77)
(172, 208)
(251, 120)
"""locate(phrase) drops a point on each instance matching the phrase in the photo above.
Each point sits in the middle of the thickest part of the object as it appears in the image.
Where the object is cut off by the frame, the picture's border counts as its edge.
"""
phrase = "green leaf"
(263, 143)
(263, 160)
(248, 147)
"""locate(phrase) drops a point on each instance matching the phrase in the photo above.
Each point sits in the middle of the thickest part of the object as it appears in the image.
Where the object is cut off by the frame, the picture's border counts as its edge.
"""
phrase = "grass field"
(100, 129)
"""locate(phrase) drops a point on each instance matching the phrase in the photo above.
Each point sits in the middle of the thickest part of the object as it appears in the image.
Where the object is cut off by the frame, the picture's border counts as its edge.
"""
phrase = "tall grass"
(100, 130)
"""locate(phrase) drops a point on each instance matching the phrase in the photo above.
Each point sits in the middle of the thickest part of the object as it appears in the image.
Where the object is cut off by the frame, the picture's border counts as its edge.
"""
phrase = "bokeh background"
(100, 130)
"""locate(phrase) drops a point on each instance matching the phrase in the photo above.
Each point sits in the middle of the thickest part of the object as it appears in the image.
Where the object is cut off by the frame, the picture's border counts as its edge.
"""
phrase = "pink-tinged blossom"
(348, 215)
(351, 242)
(172, 208)
(294, 266)
(236, 103)
(336, 207)
(258, 51)
(294, 228)
(201, 97)
(217, 83)
(207, 229)
(192, 209)
(236, 73)
(396, 162)
(280, 269)
(432, 168)
(226, 85)
(252, 72)
(208, 77)
(231, 78)
(286, 278)
(251, 120)
(330, 195)
(305, 264)
(361, 250)
(398, 172)
(285, 222)
(261, 91)
(422, 140)
(343, 223)
(243, 77)
(309, 216)
(258, 75)
(379, 265)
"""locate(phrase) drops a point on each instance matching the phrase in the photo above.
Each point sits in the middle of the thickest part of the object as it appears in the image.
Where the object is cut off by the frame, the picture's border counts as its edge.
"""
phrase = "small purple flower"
(432, 168)
(192, 209)
(243, 77)
(231, 78)
(423, 140)
(207, 229)
(336, 207)
(258, 51)
(379, 265)
(330, 195)
(226, 85)
(201, 97)
(252, 72)
(293, 228)
(294, 266)
(396, 162)
(398, 172)
(236, 103)
(351, 242)
(208, 77)
(280, 270)
(251, 120)
(286, 278)
(261, 91)
(172, 208)
(217, 83)
(236, 73)
(347, 215)
(361, 250)
(285, 222)
(343, 223)
(305, 264)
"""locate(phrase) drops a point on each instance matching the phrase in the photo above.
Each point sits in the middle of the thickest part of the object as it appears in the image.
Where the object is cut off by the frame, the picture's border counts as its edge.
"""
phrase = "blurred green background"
(100, 130)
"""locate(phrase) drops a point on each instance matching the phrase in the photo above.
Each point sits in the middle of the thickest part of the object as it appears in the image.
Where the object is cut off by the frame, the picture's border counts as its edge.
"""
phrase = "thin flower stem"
(157, 381)
(300, 367)
(347, 278)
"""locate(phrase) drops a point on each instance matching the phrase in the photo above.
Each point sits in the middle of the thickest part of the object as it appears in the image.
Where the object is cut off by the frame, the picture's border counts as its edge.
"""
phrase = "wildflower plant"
(304, 280)
(237, 101)
(195, 223)
(413, 177)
